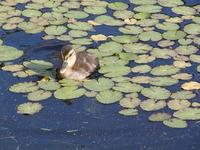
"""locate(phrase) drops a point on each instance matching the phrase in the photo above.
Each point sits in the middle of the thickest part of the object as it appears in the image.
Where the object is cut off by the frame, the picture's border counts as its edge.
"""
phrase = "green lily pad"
(152, 105)
(182, 76)
(125, 39)
(192, 29)
(111, 47)
(13, 68)
(163, 81)
(142, 15)
(38, 65)
(130, 30)
(67, 93)
(184, 10)
(39, 95)
(49, 85)
(8, 53)
(195, 58)
(31, 13)
(174, 35)
(127, 87)
(159, 117)
(81, 41)
(141, 69)
(24, 87)
(143, 2)
(142, 59)
(185, 41)
(77, 33)
(108, 96)
(55, 30)
(128, 112)
(178, 104)
(99, 85)
(183, 95)
(173, 3)
(148, 8)
(117, 6)
(154, 92)
(130, 102)
(167, 26)
(95, 10)
(150, 35)
(163, 70)
(163, 53)
(166, 43)
(141, 79)
(188, 114)
(175, 123)
(29, 108)
(186, 50)
(69, 82)
(137, 48)
(123, 14)
(76, 14)
(80, 26)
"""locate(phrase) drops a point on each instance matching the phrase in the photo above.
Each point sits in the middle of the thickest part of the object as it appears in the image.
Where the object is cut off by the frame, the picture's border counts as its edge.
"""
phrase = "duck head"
(68, 57)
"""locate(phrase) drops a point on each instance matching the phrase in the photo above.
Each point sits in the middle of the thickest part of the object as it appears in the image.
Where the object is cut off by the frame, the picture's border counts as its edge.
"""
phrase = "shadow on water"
(82, 124)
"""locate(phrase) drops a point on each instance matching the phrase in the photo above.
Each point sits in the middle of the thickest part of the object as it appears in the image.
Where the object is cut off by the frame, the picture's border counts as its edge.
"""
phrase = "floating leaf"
(24, 87)
(163, 81)
(118, 6)
(167, 26)
(123, 14)
(154, 92)
(186, 50)
(76, 14)
(95, 10)
(99, 85)
(148, 8)
(163, 70)
(130, 102)
(175, 123)
(77, 33)
(141, 69)
(195, 58)
(174, 35)
(55, 30)
(159, 117)
(38, 65)
(125, 39)
(12, 68)
(150, 35)
(188, 114)
(49, 85)
(29, 108)
(69, 82)
(141, 79)
(39, 95)
(182, 76)
(99, 37)
(128, 112)
(152, 105)
(192, 29)
(80, 26)
(143, 2)
(192, 85)
(8, 53)
(111, 47)
(184, 10)
(183, 95)
(31, 13)
(127, 87)
(67, 93)
(130, 30)
(108, 96)
(178, 104)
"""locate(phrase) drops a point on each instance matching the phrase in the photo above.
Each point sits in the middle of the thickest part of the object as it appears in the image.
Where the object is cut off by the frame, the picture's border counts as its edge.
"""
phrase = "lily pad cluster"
(144, 67)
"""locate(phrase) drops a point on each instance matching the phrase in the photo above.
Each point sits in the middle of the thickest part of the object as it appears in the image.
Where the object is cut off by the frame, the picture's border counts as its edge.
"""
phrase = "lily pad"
(159, 117)
(55, 30)
(29, 108)
(108, 96)
(99, 85)
(186, 50)
(111, 47)
(39, 95)
(128, 112)
(175, 123)
(150, 35)
(154, 92)
(192, 29)
(188, 114)
(49, 85)
(76, 14)
(80, 26)
(163, 70)
(67, 93)
(167, 26)
(163, 81)
(152, 105)
(95, 10)
(178, 104)
(13, 68)
(8, 53)
(117, 6)
(184, 95)
(127, 87)
(184, 10)
(130, 30)
(174, 35)
(125, 39)
(24, 87)
(31, 13)
(141, 69)
(38, 65)
(130, 102)
(148, 8)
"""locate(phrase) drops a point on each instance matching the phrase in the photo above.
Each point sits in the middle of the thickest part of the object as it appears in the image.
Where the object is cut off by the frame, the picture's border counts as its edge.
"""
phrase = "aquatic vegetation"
(149, 56)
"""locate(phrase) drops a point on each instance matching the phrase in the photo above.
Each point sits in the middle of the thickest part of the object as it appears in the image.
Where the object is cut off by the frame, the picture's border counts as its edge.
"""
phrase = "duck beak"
(64, 67)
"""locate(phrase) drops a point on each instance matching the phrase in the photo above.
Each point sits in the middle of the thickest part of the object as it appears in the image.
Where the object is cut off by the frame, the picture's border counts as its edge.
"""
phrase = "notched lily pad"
(188, 114)
(108, 96)
(159, 117)
(128, 112)
(24, 87)
(29, 108)
(39, 95)
(175, 123)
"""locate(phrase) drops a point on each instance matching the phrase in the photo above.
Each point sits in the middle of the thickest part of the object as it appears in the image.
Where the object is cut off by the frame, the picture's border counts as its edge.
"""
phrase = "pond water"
(82, 124)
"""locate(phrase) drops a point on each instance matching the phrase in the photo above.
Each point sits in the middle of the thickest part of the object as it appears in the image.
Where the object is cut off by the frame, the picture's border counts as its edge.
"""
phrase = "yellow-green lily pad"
(8, 53)
(152, 105)
(29, 108)
(39, 95)
(128, 112)
(159, 117)
(49, 85)
(108, 96)
(175, 123)
(24, 87)
(188, 114)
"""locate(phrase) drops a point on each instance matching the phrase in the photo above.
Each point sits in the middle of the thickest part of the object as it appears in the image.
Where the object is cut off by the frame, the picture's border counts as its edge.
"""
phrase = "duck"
(77, 65)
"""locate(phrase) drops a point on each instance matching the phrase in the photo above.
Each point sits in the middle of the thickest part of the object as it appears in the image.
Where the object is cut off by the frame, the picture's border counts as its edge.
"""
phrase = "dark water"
(84, 124)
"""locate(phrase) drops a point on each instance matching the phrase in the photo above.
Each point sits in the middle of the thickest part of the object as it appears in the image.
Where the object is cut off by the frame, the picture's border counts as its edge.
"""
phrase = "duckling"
(77, 66)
